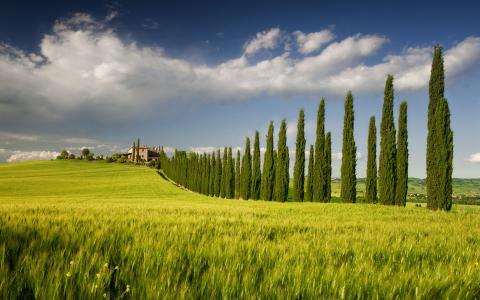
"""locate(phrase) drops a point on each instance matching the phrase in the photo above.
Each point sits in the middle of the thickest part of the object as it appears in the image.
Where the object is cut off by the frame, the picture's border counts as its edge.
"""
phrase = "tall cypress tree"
(309, 183)
(228, 175)
(444, 155)
(439, 139)
(318, 178)
(137, 158)
(281, 175)
(205, 174)
(231, 165)
(402, 157)
(246, 173)
(387, 171)
(349, 151)
(371, 180)
(256, 175)
(299, 168)
(212, 175)
(268, 173)
(218, 174)
(436, 90)
(223, 181)
(328, 167)
(237, 175)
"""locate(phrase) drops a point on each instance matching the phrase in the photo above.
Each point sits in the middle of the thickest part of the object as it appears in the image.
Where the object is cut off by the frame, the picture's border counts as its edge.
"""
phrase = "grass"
(83, 230)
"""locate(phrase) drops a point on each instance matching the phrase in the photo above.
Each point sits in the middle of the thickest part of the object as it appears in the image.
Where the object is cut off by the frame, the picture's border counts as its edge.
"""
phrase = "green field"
(83, 230)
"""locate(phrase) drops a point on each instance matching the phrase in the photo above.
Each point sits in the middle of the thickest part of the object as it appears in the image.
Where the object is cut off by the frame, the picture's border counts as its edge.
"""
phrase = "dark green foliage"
(387, 171)
(211, 182)
(268, 173)
(137, 156)
(218, 175)
(318, 176)
(230, 176)
(328, 167)
(299, 168)
(223, 181)
(256, 175)
(280, 191)
(349, 151)
(436, 90)
(443, 154)
(402, 157)
(246, 173)
(309, 181)
(371, 180)
(237, 175)
(439, 140)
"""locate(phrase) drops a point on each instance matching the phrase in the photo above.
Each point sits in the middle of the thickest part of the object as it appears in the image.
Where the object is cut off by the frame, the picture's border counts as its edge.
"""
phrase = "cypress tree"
(206, 172)
(281, 174)
(402, 157)
(349, 151)
(328, 167)
(256, 175)
(218, 174)
(230, 187)
(137, 158)
(211, 183)
(387, 172)
(223, 180)
(232, 170)
(275, 156)
(299, 168)
(371, 180)
(318, 178)
(439, 139)
(268, 167)
(134, 151)
(436, 90)
(309, 183)
(237, 175)
(246, 173)
(443, 154)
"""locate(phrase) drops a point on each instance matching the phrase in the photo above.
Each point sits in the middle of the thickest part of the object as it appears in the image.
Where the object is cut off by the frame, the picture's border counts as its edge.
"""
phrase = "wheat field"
(92, 230)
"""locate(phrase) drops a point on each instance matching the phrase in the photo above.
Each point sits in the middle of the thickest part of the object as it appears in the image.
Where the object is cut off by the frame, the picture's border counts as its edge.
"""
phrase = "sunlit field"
(76, 230)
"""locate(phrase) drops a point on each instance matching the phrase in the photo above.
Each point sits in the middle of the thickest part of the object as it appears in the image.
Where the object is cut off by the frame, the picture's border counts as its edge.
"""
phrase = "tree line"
(243, 177)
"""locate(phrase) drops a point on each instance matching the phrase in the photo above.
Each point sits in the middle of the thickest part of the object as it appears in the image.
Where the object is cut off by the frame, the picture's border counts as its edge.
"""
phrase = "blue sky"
(204, 75)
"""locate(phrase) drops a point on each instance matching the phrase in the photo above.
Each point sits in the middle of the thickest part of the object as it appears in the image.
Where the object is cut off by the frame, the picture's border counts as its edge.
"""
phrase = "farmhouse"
(146, 153)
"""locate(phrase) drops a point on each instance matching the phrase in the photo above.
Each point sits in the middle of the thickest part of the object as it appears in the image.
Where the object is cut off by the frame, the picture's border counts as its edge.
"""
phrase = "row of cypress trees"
(242, 178)
(393, 162)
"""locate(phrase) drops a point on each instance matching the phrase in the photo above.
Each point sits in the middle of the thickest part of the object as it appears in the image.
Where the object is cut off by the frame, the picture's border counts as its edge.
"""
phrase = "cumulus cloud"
(17, 156)
(263, 40)
(310, 42)
(83, 66)
(474, 158)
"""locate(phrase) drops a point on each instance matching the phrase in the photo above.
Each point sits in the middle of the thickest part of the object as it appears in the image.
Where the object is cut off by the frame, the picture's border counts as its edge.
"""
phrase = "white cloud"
(474, 158)
(310, 42)
(263, 40)
(203, 149)
(17, 156)
(84, 67)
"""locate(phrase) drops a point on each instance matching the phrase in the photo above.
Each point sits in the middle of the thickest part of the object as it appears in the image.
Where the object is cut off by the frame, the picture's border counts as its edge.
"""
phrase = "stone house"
(146, 153)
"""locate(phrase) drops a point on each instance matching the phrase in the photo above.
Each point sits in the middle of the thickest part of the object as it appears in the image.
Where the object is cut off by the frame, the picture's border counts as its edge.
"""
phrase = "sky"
(202, 75)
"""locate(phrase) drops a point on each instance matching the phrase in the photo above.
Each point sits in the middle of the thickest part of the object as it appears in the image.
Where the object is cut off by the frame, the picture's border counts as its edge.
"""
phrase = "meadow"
(89, 230)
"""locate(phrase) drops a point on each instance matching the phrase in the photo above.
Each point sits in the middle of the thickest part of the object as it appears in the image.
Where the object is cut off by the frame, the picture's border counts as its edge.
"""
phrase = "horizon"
(100, 75)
